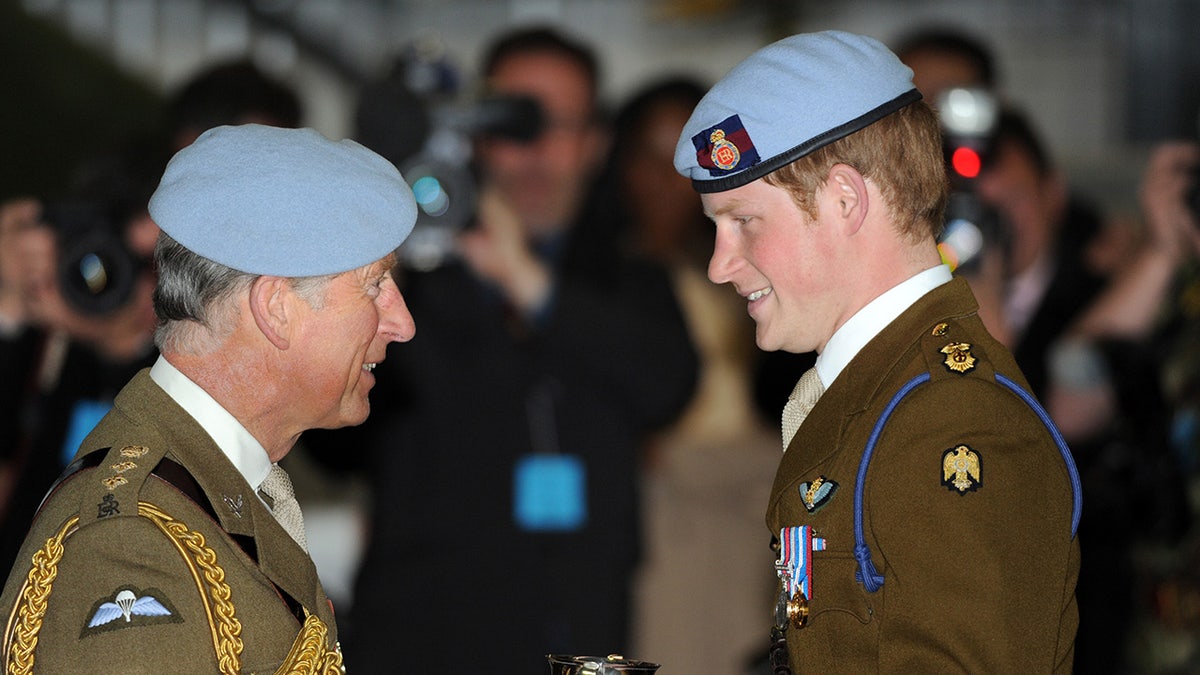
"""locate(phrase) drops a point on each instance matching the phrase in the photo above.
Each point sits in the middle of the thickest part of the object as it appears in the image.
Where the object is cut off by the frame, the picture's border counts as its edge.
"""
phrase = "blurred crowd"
(574, 454)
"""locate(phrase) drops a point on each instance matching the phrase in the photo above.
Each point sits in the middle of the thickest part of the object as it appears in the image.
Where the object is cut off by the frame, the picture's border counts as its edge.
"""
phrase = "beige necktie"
(804, 397)
(284, 506)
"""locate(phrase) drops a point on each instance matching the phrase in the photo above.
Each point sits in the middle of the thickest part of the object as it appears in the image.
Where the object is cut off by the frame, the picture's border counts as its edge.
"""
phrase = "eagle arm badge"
(962, 470)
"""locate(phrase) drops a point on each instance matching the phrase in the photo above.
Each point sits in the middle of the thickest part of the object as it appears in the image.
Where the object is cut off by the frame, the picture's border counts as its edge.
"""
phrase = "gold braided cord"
(20, 640)
(25, 622)
(226, 629)
(309, 655)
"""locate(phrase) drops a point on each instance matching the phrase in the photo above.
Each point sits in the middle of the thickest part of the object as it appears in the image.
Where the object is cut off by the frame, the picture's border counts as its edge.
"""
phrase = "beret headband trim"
(784, 158)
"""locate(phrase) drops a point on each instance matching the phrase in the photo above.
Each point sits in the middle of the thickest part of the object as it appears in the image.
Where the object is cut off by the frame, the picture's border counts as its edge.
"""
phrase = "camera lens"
(445, 196)
(96, 273)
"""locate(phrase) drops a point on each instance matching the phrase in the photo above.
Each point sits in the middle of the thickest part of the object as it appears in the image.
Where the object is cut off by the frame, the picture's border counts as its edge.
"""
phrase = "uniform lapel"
(283, 561)
(238, 508)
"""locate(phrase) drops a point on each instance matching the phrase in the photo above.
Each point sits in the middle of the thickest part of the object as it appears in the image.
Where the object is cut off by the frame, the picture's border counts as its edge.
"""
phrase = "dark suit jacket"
(975, 580)
(454, 412)
(1071, 290)
(223, 581)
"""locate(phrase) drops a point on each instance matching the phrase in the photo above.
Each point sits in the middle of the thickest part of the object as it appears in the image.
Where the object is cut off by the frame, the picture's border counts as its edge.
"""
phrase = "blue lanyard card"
(85, 416)
(550, 493)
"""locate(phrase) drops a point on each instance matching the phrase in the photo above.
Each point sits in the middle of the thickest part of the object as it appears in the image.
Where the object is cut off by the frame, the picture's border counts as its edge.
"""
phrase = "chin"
(355, 417)
(765, 342)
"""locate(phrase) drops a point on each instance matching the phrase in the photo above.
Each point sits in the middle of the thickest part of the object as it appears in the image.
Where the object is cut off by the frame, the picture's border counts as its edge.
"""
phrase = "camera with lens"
(96, 270)
(969, 119)
(416, 118)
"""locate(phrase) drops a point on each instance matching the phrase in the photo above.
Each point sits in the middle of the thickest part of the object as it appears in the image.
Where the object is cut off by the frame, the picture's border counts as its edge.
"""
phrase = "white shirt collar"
(246, 453)
(873, 318)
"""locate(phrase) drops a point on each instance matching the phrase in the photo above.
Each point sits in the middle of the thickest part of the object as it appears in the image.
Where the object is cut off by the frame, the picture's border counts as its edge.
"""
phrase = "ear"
(1058, 193)
(269, 307)
(597, 145)
(847, 197)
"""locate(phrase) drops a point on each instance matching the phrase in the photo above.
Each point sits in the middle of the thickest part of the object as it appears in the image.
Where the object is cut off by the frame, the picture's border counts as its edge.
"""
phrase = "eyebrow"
(731, 205)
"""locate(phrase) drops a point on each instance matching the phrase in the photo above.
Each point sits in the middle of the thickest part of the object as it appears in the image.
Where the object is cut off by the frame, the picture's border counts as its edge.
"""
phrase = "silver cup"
(561, 664)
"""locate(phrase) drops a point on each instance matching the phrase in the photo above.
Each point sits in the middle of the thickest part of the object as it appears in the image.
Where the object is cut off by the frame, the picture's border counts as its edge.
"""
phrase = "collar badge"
(235, 504)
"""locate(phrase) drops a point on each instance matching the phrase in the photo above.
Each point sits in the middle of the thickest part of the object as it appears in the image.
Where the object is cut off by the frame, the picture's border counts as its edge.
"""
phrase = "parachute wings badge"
(134, 609)
(962, 470)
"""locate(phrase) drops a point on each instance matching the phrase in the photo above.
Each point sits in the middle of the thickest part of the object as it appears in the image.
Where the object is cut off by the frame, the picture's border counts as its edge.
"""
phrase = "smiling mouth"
(761, 293)
(369, 366)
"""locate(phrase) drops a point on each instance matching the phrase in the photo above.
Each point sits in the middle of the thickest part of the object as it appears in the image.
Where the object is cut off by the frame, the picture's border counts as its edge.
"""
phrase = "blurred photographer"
(66, 346)
(503, 454)
(76, 312)
(1044, 277)
(1125, 386)
(1147, 320)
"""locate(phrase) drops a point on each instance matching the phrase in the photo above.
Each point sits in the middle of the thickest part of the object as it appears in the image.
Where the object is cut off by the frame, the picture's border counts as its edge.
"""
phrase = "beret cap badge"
(724, 154)
(725, 147)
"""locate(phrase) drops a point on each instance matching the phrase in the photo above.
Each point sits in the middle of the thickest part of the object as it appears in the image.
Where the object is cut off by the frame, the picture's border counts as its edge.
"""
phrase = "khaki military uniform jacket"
(979, 565)
(124, 572)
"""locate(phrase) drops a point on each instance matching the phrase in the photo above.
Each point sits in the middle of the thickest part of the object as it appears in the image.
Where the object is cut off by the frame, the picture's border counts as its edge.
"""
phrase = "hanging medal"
(794, 568)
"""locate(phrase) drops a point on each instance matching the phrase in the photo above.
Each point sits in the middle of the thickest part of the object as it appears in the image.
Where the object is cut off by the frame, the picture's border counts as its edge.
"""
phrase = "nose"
(395, 321)
(723, 262)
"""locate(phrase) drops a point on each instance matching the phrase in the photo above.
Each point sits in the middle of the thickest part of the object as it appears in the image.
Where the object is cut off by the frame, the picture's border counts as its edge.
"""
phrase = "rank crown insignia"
(958, 357)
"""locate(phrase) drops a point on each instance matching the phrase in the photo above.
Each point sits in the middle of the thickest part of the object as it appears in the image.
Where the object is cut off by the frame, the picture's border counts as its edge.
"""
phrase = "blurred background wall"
(1101, 78)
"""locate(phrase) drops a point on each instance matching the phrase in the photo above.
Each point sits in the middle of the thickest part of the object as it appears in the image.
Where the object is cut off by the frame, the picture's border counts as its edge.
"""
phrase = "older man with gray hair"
(174, 543)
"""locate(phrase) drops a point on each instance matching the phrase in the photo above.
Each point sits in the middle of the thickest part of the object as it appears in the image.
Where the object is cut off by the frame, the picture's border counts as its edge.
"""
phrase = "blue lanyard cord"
(867, 575)
(1072, 471)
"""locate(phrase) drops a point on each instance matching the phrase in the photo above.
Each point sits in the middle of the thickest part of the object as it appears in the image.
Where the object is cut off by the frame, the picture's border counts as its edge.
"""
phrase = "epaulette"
(117, 479)
(112, 488)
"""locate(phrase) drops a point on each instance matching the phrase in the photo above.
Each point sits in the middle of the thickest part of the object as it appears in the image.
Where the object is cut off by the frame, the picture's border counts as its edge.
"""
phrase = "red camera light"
(966, 162)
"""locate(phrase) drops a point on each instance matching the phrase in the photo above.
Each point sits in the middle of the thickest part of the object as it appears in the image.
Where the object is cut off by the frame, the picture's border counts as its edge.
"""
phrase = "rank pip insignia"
(958, 357)
(134, 450)
(724, 154)
(817, 493)
(962, 470)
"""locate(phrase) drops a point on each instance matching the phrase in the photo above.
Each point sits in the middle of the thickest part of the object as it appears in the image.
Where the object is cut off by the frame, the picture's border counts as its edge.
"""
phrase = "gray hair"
(195, 297)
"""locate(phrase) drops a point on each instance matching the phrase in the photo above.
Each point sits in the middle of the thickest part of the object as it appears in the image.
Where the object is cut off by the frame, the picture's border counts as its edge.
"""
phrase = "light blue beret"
(283, 202)
(786, 100)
